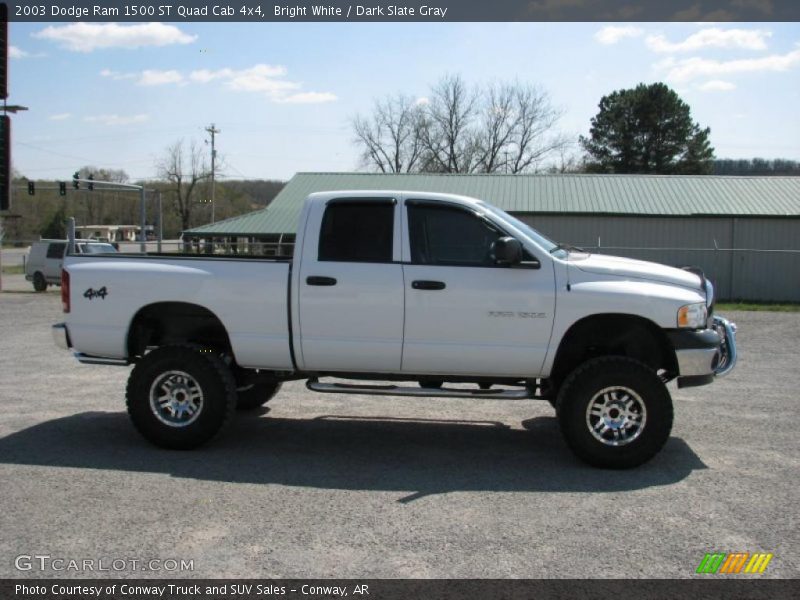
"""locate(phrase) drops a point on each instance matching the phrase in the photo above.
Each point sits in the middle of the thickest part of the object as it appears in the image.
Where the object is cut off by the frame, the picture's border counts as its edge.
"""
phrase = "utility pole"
(213, 131)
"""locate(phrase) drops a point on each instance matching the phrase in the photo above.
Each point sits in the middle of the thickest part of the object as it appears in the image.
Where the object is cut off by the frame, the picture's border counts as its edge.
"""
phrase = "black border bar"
(402, 10)
(708, 587)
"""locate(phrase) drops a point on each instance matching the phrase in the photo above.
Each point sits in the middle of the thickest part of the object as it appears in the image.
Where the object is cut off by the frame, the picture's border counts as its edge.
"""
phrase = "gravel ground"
(355, 486)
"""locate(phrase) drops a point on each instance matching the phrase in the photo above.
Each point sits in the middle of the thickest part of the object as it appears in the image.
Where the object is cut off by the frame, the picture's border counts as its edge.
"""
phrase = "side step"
(419, 392)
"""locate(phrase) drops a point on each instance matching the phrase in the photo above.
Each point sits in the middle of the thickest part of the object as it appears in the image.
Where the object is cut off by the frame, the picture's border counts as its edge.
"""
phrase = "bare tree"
(390, 138)
(183, 170)
(498, 125)
(447, 134)
(535, 135)
(503, 127)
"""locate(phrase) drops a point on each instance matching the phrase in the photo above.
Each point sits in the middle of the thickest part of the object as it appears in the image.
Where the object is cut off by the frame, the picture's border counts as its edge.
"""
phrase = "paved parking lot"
(354, 486)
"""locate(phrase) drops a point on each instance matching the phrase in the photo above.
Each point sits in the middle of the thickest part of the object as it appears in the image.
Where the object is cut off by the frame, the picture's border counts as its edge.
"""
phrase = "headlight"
(693, 316)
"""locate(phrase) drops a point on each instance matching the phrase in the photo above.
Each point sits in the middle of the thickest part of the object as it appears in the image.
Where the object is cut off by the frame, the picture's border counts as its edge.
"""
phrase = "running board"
(419, 392)
(98, 360)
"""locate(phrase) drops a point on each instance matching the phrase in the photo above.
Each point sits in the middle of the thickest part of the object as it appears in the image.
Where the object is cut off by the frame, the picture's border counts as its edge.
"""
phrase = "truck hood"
(639, 269)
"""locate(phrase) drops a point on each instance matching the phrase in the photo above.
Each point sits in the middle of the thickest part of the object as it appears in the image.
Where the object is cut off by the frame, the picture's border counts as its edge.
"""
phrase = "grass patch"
(14, 270)
(721, 307)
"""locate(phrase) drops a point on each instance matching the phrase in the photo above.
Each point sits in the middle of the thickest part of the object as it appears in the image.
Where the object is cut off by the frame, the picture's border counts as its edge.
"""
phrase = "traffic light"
(31, 188)
(91, 182)
(75, 177)
(62, 188)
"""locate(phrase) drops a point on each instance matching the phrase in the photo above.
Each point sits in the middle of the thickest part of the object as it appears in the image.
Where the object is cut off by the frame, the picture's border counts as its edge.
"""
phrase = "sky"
(283, 94)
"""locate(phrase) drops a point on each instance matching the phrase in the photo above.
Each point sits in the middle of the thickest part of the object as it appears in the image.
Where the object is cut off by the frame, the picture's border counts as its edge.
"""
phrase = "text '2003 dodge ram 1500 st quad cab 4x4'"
(437, 289)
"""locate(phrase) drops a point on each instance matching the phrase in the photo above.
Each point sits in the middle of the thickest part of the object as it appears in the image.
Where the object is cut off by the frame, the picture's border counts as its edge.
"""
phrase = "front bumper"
(704, 355)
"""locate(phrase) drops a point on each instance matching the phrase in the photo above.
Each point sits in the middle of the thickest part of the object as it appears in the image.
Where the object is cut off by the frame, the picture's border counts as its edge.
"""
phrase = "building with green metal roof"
(743, 231)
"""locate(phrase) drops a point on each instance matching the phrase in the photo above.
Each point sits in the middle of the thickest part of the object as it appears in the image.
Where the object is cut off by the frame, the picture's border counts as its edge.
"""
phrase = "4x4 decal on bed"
(101, 293)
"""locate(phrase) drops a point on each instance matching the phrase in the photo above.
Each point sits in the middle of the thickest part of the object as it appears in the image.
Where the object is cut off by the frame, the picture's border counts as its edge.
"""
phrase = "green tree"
(647, 129)
(54, 229)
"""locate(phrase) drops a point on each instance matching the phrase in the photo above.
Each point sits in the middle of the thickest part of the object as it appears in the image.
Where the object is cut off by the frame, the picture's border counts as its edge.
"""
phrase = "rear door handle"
(319, 280)
(421, 284)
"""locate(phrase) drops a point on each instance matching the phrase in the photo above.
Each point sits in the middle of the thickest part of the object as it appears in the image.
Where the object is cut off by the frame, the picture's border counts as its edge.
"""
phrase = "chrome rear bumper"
(60, 335)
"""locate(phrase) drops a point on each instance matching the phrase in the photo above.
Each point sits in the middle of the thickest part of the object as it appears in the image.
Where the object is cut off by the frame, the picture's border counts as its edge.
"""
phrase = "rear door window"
(357, 231)
(56, 250)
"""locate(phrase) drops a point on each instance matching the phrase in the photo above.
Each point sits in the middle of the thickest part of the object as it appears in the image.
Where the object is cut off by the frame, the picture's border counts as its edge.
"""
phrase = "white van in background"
(43, 265)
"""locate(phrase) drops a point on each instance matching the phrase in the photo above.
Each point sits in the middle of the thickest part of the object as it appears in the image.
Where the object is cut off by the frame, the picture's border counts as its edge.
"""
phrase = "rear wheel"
(39, 282)
(180, 396)
(615, 412)
(256, 395)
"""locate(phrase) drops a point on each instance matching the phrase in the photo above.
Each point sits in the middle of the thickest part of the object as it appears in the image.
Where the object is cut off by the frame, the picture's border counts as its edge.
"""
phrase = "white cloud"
(716, 85)
(611, 34)
(116, 75)
(60, 117)
(265, 79)
(87, 37)
(148, 77)
(113, 120)
(693, 68)
(422, 101)
(747, 39)
(14, 52)
(253, 74)
(152, 77)
(268, 80)
(307, 98)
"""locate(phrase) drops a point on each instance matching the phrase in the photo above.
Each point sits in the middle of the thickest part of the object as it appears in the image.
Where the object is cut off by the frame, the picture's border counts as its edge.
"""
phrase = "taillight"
(64, 290)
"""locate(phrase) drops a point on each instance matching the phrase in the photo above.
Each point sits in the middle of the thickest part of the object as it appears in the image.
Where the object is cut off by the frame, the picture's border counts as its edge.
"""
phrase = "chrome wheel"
(176, 398)
(616, 416)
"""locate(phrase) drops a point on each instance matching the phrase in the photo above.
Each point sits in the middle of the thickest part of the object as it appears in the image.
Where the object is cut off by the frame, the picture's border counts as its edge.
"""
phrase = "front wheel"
(614, 412)
(180, 396)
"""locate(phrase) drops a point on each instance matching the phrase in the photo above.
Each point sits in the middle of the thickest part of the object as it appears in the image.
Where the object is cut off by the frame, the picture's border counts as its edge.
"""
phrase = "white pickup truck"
(447, 292)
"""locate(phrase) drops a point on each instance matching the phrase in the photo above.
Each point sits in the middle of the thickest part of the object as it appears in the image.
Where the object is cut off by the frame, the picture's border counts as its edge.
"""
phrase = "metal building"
(744, 232)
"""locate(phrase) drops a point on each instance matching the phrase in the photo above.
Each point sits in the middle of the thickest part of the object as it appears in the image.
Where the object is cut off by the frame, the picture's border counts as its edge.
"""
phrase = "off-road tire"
(39, 282)
(585, 383)
(256, 395)
(213, 378)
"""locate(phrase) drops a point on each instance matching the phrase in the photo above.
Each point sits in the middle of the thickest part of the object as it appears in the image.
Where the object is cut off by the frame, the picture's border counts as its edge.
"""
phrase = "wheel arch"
(166, 323)
(613, 334)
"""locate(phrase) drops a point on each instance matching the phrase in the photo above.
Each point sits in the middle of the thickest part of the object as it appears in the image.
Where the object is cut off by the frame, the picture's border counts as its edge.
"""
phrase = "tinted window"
(97, 248)
(442, 235)
(56, 250)
(357, 232)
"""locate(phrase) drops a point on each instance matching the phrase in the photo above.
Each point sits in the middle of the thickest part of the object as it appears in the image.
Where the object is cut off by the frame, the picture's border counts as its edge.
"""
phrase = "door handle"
(428, 285)
(319, 280)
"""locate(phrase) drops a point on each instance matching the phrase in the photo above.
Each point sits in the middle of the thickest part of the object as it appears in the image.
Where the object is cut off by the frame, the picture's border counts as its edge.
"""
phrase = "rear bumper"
(61, 336)
(61, 339)
(704, 355)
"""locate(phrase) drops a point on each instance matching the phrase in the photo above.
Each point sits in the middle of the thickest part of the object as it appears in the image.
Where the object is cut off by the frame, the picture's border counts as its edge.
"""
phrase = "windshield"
(541, 240)
(97, 248)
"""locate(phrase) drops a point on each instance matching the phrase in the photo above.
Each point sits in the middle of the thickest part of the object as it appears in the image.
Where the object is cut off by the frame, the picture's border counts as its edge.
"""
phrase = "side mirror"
(506, 251)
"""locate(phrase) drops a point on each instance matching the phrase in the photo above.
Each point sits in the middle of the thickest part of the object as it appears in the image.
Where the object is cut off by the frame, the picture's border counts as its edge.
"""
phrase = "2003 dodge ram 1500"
(437, 289)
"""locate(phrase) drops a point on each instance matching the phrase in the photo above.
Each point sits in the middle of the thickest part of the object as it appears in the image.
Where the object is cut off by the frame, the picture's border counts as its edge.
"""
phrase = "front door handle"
(421, 284)
(319, 280)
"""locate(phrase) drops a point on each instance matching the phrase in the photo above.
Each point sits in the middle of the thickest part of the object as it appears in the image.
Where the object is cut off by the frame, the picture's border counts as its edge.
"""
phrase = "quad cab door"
(465, 314)
(351, 287)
